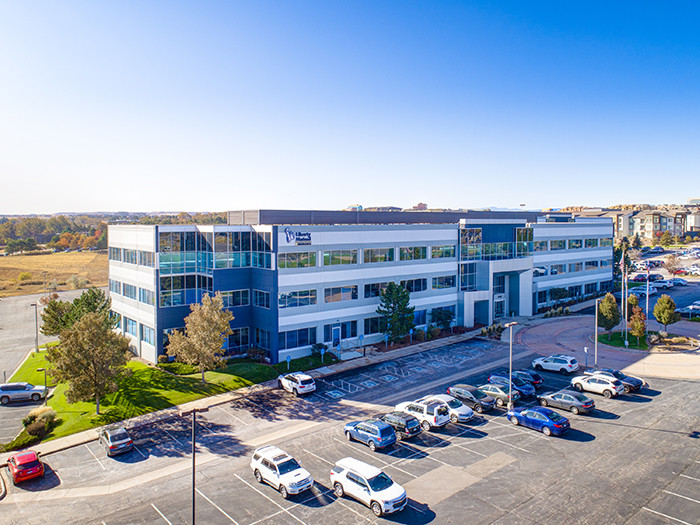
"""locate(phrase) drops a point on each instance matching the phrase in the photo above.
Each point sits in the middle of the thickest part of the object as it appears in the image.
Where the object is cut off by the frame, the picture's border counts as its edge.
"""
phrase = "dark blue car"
(373, 433)
(543, 419)
(526, 389)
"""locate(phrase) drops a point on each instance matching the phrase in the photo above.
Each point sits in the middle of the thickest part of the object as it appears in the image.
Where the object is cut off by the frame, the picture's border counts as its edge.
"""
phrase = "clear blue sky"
(206, 105)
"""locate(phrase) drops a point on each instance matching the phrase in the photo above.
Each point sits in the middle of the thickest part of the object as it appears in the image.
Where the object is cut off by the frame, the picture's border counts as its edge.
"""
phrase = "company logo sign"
(298, 238)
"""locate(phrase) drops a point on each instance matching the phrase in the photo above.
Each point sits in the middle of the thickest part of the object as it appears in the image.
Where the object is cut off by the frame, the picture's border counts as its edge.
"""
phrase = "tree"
(60, 315)
(665, 311)
(206, 329)
(665, 239)
(608, 313)
(396, 316)
(672, 264)
(618, 254)
(638, 324)
(442, 317)
(558, 294)
(91, 357)
(55, 317)
(637, 242)
(632, 302)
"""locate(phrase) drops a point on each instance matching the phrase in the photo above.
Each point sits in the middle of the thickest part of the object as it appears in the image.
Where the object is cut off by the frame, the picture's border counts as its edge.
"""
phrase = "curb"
(3, 488)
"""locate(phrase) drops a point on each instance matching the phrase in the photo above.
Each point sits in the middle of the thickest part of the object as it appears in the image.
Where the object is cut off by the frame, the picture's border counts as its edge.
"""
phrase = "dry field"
(59, 268)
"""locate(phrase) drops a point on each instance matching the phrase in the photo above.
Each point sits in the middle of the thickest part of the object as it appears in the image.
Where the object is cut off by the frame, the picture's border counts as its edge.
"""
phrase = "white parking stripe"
(411, 448)
(375, 456)
(667, 516)
(173, 437)
(94, 456)
(139, 451)
(216, 506)
(353, 510)
(303, 502)
(269, 499)
(232, 415)
(161, 514)
(318, 457)
(681, 496)
(690, 477)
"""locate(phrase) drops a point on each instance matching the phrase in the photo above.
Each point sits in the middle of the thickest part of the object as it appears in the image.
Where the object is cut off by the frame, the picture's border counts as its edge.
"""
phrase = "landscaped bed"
(656, 343)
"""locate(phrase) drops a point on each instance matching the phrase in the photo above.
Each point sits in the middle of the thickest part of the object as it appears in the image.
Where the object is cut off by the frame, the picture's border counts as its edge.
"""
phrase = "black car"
(405, 426)
(631, 383)
(528, 376)
(574, 402)
(472, 397)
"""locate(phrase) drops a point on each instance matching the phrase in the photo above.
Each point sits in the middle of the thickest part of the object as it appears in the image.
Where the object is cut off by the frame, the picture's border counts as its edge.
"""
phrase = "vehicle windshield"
(27, 466)
(380, 482)
(454, 403)
(554, 416)
(479, 394)
(442, 410)
(580, 397)
(386, 431)
(288, 466)
(307, 381)
(518, 382)
(619, 374)
(120, 436)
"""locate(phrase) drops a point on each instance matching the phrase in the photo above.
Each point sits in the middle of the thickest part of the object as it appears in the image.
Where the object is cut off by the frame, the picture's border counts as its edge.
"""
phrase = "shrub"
(434, 331)
(567, 311)
(547, 314)
(317, 347)
(653, 339)
(663, 334)
(40, 411)
(28, 420)
(420, 335)
(485, 331)
(38, 428)
(76, 282)
(24, 440)
(178, 368)
(25, 276)
(257, 354)
(163, 358)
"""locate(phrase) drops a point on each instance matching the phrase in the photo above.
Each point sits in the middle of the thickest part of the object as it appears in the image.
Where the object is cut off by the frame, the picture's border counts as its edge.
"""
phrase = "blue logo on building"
(298, 238)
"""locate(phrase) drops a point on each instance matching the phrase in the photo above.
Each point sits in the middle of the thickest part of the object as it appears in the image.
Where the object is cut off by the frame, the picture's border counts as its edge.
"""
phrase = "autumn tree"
(396, 316)
(638, 324)
(206, 329)
(672, 264)
(665, 311)
(608, 313)
(632, 302)
(91, 358)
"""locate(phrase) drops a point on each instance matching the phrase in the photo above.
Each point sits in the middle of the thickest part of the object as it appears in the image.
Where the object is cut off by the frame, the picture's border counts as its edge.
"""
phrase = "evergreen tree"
(637, 242)
(442, 317)
(396, 316)
(60, 315)
(632, 303)
(608, 313)
(665, 239)
(665, 311)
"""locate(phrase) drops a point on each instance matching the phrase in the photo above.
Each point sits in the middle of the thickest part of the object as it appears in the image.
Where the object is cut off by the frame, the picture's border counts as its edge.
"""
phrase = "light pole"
(510, 364)
(595, 335)
(36, 326)
(43, 370)
(194, 436)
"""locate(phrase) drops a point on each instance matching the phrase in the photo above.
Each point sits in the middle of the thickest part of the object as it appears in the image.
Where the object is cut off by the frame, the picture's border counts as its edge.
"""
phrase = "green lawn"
(618, 340)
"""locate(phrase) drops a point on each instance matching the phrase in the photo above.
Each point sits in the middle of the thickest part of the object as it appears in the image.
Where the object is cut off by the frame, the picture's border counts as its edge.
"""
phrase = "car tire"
(283, 492)
(563, 371)
(538, 367)
(279, 384)
(543, 402)
(546, 431)
(376, 508)
(399, 436)
(578, 387)
(348, 436)
(296, 392)
(514, 420)
(454, 418)
(36, 397)
(338, 490)
(499, 402)
(575, 411)
(607, 393)
(258, 476)
(479, 409)
(425, 425)
(627, 389)
(372, 446)
(4, 400)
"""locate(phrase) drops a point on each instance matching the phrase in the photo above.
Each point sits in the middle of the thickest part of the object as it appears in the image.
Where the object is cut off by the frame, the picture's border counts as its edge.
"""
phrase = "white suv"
(297, 383)
(556, 363)
(431, 413)
(459, 412)
(600, 385)
(281, 471)
(368, 485)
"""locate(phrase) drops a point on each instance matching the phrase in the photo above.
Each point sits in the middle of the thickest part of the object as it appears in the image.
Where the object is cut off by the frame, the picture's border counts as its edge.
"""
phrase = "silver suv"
(21, 392)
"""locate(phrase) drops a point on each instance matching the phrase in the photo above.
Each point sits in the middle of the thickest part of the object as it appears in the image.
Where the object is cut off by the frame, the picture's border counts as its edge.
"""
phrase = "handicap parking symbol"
(369, 384)
(335, 394)
(388, 378)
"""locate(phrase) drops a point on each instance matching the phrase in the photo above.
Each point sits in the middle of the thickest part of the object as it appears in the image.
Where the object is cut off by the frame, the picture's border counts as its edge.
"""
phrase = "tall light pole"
(36, 326)
(43, 370)
(510, 364)
(194, 436)
(595, 335)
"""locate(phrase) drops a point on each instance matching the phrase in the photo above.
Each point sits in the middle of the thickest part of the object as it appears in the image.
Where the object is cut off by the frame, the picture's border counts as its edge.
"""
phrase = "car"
(641, 291)
(21, 392)
(639, 278)
(645, 249)
(115, 440)
(599, 385)
(297, 383)
(477, 399)
(561, 363)
(574, 402)
(656, 249)
(689, 311)
(281, 471)
(431, 414)
(663, 283)
(543, 419)
(369, 485)
(531, 377)
(404, 426)
(630, 383)
(677, 281)
(525, 388)
(499, 393)
(373, 432)
(653, 277)
(24, 466)
(459, 412)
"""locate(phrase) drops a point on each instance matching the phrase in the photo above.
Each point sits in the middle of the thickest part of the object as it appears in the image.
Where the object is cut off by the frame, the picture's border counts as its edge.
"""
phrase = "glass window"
(115, 254)
(377, 255)
(130, 327)
(371, 326)
(129, 291)
(499, 284)
(410, 253)
(591, 265)
(445, 281)
(575, 267)
(262, 338)
(467, 276)
(441, 252)
(420, 317)
(115, 286)
(557, 244)
(146, 296)
(296, 260)
(235, 298)
(238, 341)
(261, 298)
(335, 257)
(340, 293)
(606, 241)
(415, 285)
(591, 243)
(575, 244)
(470, 236)
(540, 246)
(557, 269)
(297, 338)
(348, 329)
(374, 289)
(148, 335)
(297, 298)
(146, 259)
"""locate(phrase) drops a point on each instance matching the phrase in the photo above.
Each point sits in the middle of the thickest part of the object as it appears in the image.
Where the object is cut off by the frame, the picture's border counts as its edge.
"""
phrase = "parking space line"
(139, 451)
(690, 477)
(375, 456)
(166, 431)
(319, 457)
(269, 499)
(423, 450)
(94, 456)
(257, 405)
(161, 514)
(216, 506)
(681, 496)
(303, 502)
(232, 415)
(465, 447)
(353, 510)
(667, 516)
(427, 456)
(514, 446)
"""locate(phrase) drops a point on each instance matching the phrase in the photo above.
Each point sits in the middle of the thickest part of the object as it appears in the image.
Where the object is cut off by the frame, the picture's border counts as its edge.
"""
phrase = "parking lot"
(635, 459)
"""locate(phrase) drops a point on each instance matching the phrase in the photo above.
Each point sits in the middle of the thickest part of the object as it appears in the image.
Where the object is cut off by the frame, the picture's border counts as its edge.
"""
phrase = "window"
(575, 244)
(297, 298)
(415, 285)
(262, 338)
(411, 253)
(297, 338)
(606, 241)
(467, 276)
(115, 254)
(372, 325)
(377, 255)
(605, 263)
(131, 327)
(557, 269)
(130, 256)
(450, 309)
(420, 317)
(542, 296)
(499, 284)
(347, 329)
(591, 288)
(334, 257)
(591, 265)
(340, 293)
(238, 340)
(574, 291)
(148, 335)
(523, 241)
(575, 267)
(129, 291)
(442, 252)
(591, 243)
(557, 245)
(147, 296)
(374, 289)
(115, 286)
(470, 236)
(146, 259)
(445, 281)
(261, 299)
(540, 246)
(236, 298)
(296, 260)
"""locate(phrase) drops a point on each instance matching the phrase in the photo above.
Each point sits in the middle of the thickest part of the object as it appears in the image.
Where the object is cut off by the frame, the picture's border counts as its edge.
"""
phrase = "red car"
(639, 278)
(25, 465)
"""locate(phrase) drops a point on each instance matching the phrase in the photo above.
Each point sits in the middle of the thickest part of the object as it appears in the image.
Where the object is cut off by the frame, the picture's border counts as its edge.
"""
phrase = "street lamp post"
(36, 326)
(510, 364)
(194, 436)
(595, 335)
(43, 370)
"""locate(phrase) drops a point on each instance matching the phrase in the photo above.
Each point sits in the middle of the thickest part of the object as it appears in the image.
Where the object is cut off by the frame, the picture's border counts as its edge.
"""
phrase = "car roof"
(441, 397)
(465, 387)
(360, 467)
(300, 375)
(273, 453)
(114, 430)
(25, 457)
(22, 383)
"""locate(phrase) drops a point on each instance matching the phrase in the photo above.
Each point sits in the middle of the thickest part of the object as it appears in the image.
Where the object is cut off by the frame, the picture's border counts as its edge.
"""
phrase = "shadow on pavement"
(414, 513)
(575, 434)
(602, 414)
(632, 398)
